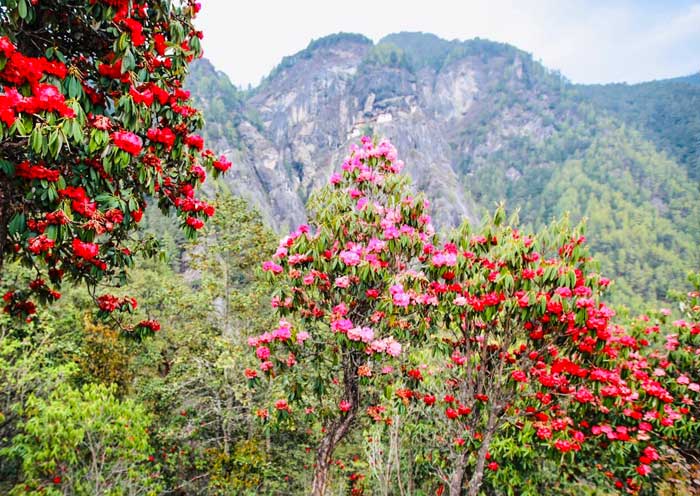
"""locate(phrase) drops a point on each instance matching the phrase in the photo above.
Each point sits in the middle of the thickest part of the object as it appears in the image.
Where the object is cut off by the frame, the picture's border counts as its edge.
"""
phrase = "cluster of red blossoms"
(110, 303)
(129, 142)
(151, 325)
(17, 305)
(27, 170)
(19, 70)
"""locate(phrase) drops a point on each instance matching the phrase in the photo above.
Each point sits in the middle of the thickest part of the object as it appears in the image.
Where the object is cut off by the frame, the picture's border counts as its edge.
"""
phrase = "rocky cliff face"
(295, 128)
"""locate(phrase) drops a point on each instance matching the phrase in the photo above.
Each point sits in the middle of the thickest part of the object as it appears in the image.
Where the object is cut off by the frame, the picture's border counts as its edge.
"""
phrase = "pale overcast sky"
(589, 41)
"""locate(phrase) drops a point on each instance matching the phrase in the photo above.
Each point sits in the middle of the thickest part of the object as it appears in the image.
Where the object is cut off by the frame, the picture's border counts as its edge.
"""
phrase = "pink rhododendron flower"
(262, 352)
(350, 258)
(387, 345)
(376, 245)
(342, 325)
(340, 309)
(364, 334)
(378, 346)
(283, 332)
(270, 266)
(683, 380)
(391, 233)
(401, 299)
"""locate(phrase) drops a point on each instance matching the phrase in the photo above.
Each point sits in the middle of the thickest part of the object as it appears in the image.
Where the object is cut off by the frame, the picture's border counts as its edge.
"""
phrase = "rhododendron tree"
(531, 355)
(345, 297)
(94, 123)
(667, 372)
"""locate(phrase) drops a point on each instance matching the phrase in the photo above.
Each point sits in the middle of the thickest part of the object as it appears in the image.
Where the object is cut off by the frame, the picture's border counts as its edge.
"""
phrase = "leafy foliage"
(85, 441)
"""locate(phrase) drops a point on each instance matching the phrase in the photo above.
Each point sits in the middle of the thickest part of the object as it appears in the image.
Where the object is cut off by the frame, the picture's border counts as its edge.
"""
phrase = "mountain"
(691, 79)
(476, 122)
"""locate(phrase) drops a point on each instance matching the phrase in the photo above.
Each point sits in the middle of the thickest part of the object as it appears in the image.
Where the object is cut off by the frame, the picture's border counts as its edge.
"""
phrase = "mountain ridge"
(476, 122)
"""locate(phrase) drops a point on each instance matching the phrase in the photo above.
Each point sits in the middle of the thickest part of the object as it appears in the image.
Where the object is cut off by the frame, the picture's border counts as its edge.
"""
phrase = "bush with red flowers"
(94, 123)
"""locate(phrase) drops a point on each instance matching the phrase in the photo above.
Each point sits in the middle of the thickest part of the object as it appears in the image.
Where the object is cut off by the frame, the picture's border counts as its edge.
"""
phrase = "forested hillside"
(665, 112)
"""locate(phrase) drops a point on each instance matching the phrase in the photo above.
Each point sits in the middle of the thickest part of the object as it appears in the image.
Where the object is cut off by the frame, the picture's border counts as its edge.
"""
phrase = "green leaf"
(22, 8)
(17, 224)
(52, 232)
(36, 140)
(7, 167)
(53, 143)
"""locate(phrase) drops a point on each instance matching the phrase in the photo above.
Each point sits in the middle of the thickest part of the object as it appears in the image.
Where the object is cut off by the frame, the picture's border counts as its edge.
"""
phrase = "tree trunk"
(5, 214)
(323, 463)
(324, 453)
(339, 428)
(478, 475)
(457, 478)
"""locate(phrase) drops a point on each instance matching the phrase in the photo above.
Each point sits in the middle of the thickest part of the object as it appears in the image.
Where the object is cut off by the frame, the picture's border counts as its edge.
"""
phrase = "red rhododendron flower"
(161, 135)
(195, 141)
(88, 251)
(137, 37)
(195, 223)
(40, 244)
(127, 141)
(159, 43)
(152, 325)
(222, 164)
(113, 71)
(29, 171)
(643, 470)
(145, 97)
(519, 376)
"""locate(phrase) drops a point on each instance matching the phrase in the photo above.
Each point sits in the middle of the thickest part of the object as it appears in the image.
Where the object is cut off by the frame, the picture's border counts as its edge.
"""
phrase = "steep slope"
(666, 112)
(476, 122)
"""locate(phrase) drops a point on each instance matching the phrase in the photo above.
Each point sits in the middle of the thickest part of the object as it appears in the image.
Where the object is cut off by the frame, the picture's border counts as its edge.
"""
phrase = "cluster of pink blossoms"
(283, 333)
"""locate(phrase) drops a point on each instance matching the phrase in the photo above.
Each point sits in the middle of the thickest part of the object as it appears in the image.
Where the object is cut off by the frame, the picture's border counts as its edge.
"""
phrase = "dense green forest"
(664, 112)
